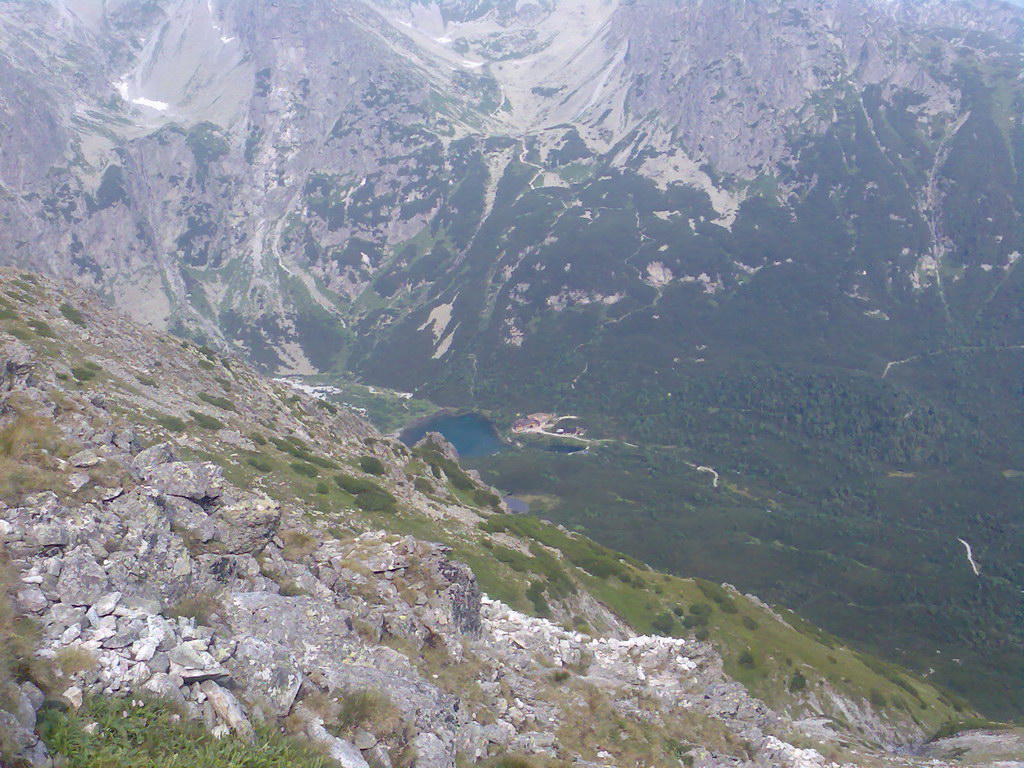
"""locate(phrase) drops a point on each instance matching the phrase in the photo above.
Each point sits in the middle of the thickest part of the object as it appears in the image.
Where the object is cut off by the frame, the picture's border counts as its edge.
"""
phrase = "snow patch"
(141, 101)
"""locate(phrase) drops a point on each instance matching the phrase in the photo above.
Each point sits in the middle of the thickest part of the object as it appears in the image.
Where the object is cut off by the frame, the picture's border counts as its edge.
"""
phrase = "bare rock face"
(221, 141)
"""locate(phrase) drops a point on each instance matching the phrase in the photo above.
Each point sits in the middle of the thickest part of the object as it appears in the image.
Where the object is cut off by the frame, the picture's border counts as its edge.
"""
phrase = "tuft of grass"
(297, 544)
(21, 334)
(510, 761)
(367, 709)
(19, 637)
(117, 733)
(201, 607)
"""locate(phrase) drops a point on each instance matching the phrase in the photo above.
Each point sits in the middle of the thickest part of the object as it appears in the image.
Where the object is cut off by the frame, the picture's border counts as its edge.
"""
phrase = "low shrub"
(42, 328)
(171, 423)
(371, 465)
(797, 682)
(218, 402)
(535, 594)
(376, 501)
(304, 469)
(356, 485)
(261, 463)
(664, 624)
(87, 371)
(72, 314)
(206, 422)
(718, 594)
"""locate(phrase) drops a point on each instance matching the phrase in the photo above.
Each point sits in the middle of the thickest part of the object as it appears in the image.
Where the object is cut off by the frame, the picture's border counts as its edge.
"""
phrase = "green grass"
(152, 736)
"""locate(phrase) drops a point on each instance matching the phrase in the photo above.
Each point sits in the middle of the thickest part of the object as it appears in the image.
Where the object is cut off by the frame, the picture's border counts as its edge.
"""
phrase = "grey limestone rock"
(228, 709)
(200, 482)
(82, 581)
(272, 677)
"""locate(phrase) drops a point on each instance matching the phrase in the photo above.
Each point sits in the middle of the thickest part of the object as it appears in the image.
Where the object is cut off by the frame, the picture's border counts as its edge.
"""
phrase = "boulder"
(191, 662)
(167, 687)
(228, 710)
(432, 751)
(31, 599)
(248, 525)
(85, 459)
(106, 604)
(161, 453)
(82, 581)
(201, 482)
(271, 677)
(364, 740)
(187, 518)
(17, 360)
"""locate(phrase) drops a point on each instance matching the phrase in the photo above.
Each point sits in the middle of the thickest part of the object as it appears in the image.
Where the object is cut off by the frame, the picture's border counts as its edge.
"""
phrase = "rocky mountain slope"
(175, 526)
(777, 238)
(276, 178)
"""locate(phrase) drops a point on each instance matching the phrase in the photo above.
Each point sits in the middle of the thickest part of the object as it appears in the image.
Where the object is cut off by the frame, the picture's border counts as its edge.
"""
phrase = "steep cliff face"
(239, 550)
(248, 173)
